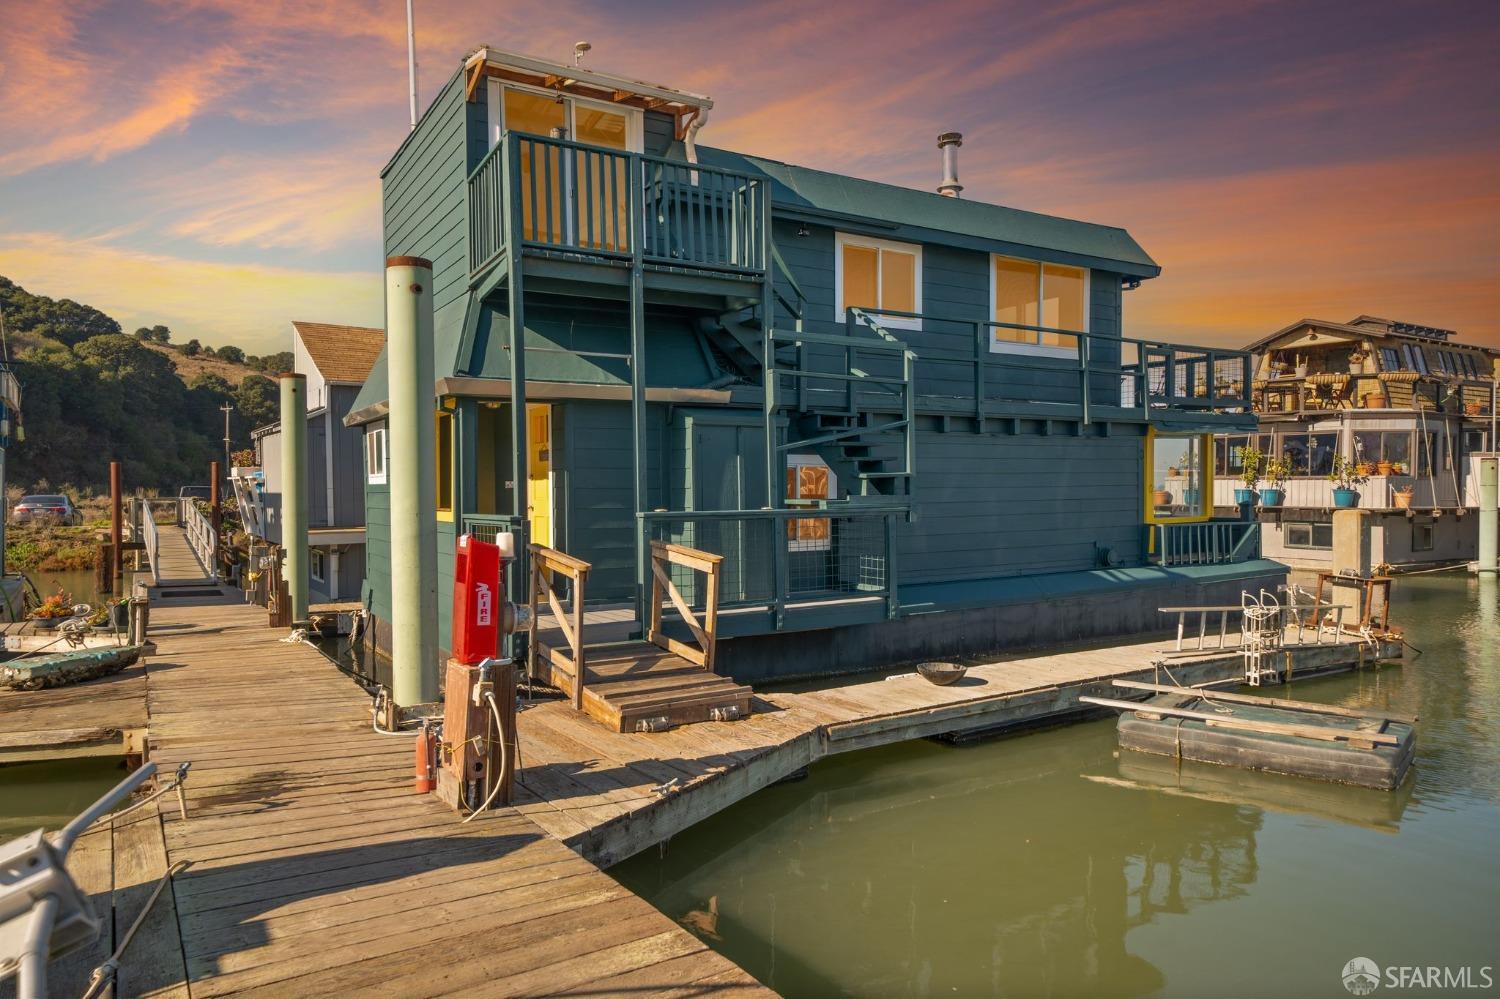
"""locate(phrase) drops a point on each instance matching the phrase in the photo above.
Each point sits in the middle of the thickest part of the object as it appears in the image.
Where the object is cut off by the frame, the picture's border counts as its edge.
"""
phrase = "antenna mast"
(411, 64)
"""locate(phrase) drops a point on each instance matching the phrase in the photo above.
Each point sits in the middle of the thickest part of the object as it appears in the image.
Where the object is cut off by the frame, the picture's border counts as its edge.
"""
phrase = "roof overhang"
(499, 388)
(487, 62)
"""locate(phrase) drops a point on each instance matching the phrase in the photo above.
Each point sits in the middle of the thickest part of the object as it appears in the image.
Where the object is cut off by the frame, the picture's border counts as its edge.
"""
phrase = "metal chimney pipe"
(949, 142)
(413, 485)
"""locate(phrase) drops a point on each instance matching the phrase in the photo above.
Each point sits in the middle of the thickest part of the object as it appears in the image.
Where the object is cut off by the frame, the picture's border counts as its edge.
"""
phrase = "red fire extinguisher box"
(476, 600)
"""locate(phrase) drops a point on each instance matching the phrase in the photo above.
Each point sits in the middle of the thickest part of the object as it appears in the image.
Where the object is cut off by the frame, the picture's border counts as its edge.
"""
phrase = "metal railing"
(145, 518)
(1210, 542)
(571, 196)
(201, 537)
(987, 362)
(785, 559)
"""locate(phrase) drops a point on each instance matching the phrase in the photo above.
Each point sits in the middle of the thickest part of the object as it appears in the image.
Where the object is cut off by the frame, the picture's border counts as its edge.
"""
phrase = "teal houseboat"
(908, 421)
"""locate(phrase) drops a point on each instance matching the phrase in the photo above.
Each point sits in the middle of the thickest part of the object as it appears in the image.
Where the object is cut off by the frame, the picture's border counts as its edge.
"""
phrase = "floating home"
(1410, 405)
(909, 421)
(336, 360)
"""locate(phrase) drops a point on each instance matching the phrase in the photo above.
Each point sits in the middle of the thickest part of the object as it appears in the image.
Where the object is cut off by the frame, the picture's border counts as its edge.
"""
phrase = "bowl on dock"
(942, 674)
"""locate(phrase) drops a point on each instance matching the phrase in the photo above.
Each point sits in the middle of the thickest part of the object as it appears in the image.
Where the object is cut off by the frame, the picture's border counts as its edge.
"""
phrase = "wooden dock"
(314, 868)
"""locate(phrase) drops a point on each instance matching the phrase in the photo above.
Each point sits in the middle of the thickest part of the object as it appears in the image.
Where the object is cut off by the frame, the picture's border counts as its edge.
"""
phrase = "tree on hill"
(192, 348)
(92, 393)
(232, 354)
(63, 319)
(271, 363)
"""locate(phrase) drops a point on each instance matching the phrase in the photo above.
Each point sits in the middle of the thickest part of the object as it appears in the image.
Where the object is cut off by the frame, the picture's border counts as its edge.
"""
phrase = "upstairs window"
(1415, 359)
(878, 275)
(375, 456)
(1390, 360)
(1031, 293)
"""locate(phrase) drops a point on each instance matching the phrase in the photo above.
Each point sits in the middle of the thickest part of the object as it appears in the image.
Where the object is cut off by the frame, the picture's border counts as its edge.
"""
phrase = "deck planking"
(315, 870)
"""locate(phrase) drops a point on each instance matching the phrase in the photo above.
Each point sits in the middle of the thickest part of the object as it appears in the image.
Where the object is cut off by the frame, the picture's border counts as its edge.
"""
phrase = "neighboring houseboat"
(1407, 404)
(961, 447)
(336, 360)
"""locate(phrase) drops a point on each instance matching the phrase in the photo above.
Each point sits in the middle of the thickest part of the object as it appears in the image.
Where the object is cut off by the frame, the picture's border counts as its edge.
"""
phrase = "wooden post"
(214, 516)
(116, 518)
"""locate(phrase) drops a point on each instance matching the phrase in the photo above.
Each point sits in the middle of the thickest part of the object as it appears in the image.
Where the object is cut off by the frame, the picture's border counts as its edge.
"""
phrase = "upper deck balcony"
(596, 204)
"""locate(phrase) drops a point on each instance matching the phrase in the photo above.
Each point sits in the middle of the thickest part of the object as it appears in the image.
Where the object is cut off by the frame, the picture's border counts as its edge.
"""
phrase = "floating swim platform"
(1302, 739)
(59, 669)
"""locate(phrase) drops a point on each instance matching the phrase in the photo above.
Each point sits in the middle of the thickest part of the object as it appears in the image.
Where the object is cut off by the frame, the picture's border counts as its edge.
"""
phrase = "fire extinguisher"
(425, 766)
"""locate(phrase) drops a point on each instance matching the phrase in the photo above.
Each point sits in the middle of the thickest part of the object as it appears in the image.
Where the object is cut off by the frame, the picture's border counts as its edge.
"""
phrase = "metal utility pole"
(411, 64)
(226, 409)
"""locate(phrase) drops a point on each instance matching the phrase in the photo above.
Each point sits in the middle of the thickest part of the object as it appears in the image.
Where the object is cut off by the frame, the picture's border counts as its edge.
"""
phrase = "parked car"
(48, 508)
(194, 492)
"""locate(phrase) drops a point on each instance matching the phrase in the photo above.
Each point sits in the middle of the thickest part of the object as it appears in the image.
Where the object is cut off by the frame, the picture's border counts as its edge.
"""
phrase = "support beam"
(514, 644)
(293, 491)
(215, 514)
(116, 521)
(1489, 511)
(413, 484)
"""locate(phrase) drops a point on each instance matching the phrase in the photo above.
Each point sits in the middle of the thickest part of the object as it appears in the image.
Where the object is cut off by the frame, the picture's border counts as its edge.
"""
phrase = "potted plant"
(1345, 476)
(1277, 470)
(1403, 497)
(1301, 365)
(1375, 400)
(1161, 497)
(1250, 458)
(54, 608)
(1384, 467)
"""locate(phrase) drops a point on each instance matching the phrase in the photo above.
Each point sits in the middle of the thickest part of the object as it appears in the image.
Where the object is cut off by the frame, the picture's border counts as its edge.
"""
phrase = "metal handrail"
(201, 538)
(151, 538)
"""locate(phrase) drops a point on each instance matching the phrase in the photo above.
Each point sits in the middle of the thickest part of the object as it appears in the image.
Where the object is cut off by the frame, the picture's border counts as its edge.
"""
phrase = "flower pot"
(1190, 497)
(45, 623)
(1384, 467)
(1473, 409)
(1301, 371)
(1244, 495)
(1161, 498)
(1365, 468)
(1272, 497)
(1403, 499)
(1374, 400)
(1172, 472)
(1345, 498)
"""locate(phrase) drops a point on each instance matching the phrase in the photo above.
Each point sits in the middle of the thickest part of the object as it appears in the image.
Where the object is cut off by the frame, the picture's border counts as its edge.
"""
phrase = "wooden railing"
(704, 631)
(201, 537)
(546, 562)
(560, 195)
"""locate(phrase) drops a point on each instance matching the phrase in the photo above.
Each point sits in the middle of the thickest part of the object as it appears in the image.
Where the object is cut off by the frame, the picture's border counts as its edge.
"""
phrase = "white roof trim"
(588, 77)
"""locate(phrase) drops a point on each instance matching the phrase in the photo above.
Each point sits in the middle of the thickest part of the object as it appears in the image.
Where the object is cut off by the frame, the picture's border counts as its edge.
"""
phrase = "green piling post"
(411, 473)
(294, 491)
(1489, 501)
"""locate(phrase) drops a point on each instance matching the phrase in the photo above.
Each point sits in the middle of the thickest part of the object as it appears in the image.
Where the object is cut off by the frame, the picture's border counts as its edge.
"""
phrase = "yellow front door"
(539, 472)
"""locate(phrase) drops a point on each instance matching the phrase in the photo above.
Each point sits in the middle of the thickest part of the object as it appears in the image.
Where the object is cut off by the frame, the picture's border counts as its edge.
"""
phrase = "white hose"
(375, 718)
(500, 778)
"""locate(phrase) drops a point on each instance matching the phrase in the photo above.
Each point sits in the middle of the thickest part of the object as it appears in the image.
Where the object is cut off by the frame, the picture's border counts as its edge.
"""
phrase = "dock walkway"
(316, 870)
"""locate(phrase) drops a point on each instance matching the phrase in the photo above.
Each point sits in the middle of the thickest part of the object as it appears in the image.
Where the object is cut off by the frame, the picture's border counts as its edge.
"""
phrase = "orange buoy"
(425, 744)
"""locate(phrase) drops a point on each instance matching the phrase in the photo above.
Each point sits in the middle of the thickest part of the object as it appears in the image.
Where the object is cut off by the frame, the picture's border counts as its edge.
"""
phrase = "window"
(1429, 452)
(808, 479)
(317, 564)
(1390, 360)
(876, 274)
(1421, 536)
(1415, 359)
(1031, 293)
(375, 456)
(1229, 452)
(1308, 535)
(1177, 469)
(444, 465)
(1376, 446)
(1311, 454)
(1474, 441)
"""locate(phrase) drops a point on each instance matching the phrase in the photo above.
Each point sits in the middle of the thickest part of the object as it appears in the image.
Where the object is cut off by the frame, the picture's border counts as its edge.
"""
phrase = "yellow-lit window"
(808, 479)
(879, 276)
(445, 464)
(1178, 477)
(1030, 293)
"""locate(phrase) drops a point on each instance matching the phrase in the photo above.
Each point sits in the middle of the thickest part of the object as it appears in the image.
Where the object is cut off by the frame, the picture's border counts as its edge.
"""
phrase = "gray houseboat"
(336, 360)
(908, 421)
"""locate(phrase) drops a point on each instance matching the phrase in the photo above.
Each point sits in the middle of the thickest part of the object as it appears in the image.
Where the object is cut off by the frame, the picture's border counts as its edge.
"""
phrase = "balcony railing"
(986, 364)
(552, 194)
(1210, 542)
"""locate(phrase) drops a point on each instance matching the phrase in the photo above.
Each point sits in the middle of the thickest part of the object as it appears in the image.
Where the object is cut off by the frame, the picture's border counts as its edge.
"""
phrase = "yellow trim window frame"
(1179, 477)
(444, 450)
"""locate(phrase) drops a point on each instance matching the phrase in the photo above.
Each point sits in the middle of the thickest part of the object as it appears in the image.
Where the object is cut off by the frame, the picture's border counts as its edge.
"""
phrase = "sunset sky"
(213, 164)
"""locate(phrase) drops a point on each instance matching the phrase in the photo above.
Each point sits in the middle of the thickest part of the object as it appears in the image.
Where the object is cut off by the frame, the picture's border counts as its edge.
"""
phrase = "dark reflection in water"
(1044, 865)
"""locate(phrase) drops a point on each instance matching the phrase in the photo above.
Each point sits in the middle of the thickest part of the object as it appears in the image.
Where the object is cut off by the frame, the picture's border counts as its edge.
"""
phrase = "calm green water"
(1046, 865)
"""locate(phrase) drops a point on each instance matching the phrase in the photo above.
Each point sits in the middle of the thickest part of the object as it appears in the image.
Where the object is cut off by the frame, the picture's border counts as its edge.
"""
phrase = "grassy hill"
(91, 393)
